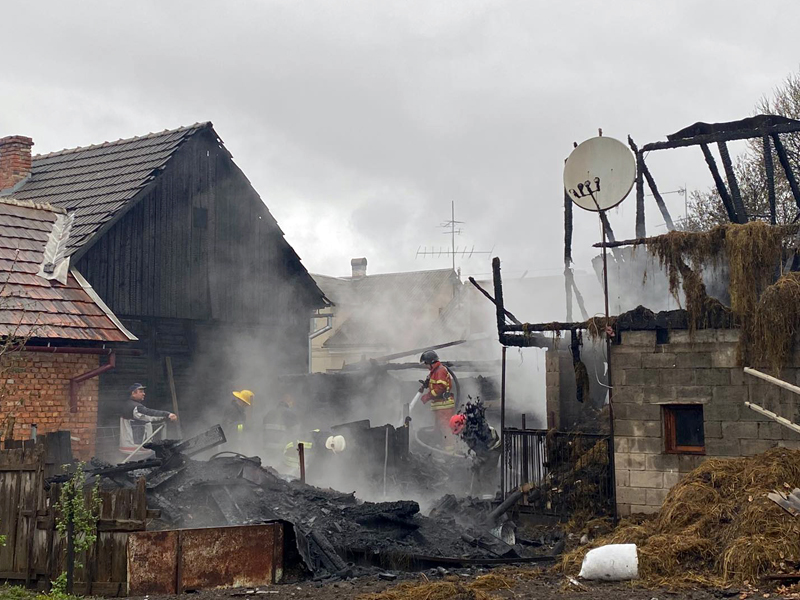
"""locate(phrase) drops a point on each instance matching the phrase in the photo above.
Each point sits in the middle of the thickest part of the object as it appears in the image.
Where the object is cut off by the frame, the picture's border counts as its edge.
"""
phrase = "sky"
(359, 122)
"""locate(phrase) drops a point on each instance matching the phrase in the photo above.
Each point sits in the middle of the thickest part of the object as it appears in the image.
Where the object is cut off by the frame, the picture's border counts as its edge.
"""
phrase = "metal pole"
(453, 231)
(385, 461)
(611, 458)
(139, 447)
(503, 426)
(302, 457)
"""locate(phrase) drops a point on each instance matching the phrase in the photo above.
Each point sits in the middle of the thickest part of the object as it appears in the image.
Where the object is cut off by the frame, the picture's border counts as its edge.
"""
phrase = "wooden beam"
(787, 168)
(721, 189)
(652, 185)
(728, 136)
(489, 296)
(733, 184)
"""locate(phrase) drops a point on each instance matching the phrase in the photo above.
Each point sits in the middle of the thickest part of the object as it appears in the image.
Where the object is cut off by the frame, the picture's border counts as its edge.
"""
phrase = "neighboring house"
(375, 315)
(56, 329)
(170, 233)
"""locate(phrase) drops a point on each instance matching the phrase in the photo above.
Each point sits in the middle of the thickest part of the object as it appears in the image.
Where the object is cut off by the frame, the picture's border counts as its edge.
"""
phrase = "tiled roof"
(95, 182)
(385, 309)
(32, 306)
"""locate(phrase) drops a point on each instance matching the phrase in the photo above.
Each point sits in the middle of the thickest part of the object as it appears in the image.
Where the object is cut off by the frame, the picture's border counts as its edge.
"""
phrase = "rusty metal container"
(175, 561)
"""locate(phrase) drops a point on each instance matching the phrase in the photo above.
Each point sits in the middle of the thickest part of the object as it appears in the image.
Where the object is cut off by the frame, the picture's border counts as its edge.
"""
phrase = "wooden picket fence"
(35, 553)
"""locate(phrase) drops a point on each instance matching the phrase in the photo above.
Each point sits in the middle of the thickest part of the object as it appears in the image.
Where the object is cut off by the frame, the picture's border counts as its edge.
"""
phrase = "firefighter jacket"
(439, 393)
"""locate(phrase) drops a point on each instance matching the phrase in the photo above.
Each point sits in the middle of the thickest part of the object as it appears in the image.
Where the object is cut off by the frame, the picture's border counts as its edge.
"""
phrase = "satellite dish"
(599, 173)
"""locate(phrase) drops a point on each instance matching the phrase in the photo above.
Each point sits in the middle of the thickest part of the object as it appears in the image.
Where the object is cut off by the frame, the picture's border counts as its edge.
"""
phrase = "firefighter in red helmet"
(439, 394)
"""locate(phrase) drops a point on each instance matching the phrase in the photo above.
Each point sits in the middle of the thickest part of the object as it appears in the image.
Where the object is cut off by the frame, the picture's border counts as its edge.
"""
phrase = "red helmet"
(457, 424)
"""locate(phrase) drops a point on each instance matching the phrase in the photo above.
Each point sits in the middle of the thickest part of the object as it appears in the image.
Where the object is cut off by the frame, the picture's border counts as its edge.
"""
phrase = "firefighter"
(484, 444)
(235, 416)
(440, 395)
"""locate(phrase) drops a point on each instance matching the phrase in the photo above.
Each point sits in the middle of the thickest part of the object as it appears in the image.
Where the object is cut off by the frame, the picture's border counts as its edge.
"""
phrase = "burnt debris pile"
(333, 530)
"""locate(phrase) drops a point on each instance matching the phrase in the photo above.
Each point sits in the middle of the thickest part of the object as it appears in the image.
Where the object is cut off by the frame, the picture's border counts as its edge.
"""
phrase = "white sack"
(614, 562)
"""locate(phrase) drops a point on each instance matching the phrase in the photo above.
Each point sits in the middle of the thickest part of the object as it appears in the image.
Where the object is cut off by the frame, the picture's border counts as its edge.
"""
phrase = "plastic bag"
(614, 562)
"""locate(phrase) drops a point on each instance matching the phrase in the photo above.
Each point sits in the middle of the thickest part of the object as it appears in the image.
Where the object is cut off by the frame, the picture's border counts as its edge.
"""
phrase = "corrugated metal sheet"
(95, 182)
(34, 306)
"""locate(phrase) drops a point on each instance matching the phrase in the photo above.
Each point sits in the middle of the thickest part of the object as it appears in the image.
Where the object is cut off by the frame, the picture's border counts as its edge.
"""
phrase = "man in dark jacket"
(135, 420)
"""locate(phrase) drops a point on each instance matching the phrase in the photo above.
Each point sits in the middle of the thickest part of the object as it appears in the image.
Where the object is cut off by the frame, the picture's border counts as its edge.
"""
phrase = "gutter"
(75, 381)
(318, 332)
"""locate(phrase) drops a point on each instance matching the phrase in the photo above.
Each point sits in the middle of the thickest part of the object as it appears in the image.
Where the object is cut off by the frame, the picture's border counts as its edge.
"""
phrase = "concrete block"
(621, 445)
(631, 495)
(623, 477)
(712, 429)
(656, 497)
(678, 376)
(640, 377)
(671, 480)
(693, 360)
(551, 378)
(695, 393)
(643, 412)
(679, 337)
(657, 394)
(644, 509)
(647, 479)
(638, 338)
(623, 510)
(730, 393)
(629, 360)
(724, 357)
(713, 377)
(723, 447)
(719, 410)
(693, 347)
(791, 444)
(704, 336)
(738, 377)
(631, 462)
(628, 393)
(662, 462)
(730, 336)
(788, 434)
(770, 431)
(649, 445)
(637, 428)
(665, 360)
(752, 447)
(689, 462)
(740, 430)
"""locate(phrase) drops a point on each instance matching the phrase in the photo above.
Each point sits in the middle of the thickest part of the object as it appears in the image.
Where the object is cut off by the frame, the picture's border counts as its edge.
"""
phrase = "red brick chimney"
(15, 160)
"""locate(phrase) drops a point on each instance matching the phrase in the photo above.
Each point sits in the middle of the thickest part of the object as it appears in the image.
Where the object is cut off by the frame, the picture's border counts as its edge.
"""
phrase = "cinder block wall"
(688, 369)
(34, 388)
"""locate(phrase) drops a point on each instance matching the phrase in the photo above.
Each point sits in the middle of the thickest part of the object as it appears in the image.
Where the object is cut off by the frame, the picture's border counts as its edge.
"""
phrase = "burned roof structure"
(171, 234)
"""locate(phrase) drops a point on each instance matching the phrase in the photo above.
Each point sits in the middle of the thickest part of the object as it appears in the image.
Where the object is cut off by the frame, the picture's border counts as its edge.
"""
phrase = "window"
(683, 429)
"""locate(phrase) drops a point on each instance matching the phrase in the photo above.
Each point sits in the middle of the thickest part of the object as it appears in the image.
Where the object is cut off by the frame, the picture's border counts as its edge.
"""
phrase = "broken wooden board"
(789, 502)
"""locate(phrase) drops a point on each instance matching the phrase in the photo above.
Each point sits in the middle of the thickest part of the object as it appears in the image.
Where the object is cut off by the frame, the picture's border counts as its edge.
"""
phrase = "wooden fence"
(35, 553)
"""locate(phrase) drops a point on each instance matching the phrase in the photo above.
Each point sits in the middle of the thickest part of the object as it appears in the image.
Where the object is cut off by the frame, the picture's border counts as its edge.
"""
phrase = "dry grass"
(450, 588)
(776, 322)
(716, 526)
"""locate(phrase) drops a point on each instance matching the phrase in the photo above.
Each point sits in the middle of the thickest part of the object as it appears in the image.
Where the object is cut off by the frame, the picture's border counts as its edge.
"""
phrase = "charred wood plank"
(489, 296)
(498, 296)
(725, 136)
(787, 167)
(643, 170)
(208, 439)
(110, 471)
(721, 189)
(733, 184)
(641, 230)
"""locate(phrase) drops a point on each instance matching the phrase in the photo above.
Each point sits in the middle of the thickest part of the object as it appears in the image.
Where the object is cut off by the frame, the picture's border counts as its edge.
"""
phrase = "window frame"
(671, 446)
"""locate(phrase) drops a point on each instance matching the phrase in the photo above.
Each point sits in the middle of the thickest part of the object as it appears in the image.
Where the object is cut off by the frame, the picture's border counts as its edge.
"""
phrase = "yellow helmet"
(245, 396)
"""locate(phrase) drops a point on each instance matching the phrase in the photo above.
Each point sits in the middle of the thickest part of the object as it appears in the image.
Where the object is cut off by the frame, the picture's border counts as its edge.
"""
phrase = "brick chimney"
(359, 266)
(15, 160)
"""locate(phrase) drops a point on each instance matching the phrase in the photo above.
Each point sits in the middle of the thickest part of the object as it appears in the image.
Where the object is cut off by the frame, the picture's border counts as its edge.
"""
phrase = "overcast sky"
(360, 121)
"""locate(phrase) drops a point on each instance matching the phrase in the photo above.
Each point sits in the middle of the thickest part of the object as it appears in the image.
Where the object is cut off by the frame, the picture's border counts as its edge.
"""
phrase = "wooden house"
(171, 234)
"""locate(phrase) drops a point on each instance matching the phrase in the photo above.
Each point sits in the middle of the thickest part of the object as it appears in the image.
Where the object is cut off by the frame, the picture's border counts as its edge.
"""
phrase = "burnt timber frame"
(730, 194)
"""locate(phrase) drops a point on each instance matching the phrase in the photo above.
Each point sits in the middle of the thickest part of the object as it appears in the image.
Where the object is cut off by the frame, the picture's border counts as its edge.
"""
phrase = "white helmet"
(335, 443)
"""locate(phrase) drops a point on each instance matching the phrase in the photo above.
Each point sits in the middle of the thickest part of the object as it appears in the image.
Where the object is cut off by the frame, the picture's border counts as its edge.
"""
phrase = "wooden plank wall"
(35, 552)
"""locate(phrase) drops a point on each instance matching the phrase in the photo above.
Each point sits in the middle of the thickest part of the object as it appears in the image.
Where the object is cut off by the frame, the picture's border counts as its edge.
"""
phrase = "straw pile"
(451, 588)
(716, 526)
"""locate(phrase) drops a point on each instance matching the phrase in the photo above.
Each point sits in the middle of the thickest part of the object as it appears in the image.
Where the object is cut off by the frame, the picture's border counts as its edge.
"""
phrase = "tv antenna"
(451, 228)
